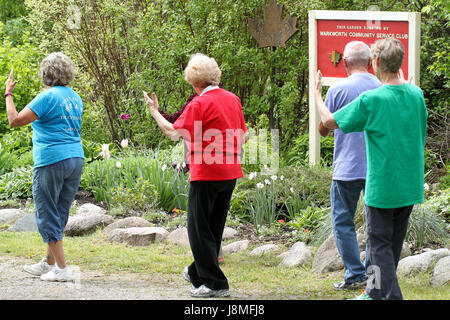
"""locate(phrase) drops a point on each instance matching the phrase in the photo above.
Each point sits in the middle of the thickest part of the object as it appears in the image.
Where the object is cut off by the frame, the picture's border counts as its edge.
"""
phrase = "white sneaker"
(57, 274)
(39, 268)
(205, 292)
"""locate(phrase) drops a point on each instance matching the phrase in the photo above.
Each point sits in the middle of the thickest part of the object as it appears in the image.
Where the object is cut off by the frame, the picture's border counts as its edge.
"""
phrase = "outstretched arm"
(326, 117)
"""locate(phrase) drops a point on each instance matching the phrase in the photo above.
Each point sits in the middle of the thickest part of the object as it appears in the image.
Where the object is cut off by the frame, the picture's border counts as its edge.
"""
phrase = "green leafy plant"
(17, 183)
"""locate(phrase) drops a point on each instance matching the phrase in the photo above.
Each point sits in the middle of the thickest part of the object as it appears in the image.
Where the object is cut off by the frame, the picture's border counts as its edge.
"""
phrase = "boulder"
(129, 222)
(422, 262)
(180, 236)
(10, 215)
(299, 254)
(229, 233)
(88, 218)
(25, 224)
(235, 247)
(264, 249)
(328, 259)
(138, 236)
(441, 273)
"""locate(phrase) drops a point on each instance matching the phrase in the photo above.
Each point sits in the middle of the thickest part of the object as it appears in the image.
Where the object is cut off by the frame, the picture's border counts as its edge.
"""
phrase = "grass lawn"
(259, 276)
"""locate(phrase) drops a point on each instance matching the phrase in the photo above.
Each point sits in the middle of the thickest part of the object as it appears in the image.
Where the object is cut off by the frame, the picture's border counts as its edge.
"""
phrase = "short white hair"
(357, 53)
(202, 71)
(56, 70)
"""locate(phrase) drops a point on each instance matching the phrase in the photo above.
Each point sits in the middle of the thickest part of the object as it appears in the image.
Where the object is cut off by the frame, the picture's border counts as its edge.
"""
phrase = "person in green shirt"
(393, 118)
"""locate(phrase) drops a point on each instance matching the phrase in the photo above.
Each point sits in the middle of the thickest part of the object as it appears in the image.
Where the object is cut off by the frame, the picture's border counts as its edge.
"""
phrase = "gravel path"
(16, 284)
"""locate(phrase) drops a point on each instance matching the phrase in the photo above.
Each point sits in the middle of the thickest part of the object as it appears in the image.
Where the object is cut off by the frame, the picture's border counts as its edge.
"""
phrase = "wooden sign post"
(330, 31)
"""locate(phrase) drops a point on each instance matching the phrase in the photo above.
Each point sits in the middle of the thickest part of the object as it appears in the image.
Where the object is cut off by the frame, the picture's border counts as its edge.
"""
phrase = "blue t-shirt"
(56, 133)
(349, 157)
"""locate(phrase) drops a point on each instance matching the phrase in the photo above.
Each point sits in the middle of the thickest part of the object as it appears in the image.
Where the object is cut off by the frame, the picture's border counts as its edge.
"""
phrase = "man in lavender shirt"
(349, 163)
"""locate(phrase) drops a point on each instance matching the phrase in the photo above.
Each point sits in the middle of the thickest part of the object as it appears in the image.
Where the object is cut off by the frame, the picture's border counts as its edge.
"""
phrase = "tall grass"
(102, 176)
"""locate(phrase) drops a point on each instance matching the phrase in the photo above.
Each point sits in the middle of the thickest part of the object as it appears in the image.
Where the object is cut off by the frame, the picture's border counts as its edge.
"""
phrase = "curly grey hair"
(391, 53)
(56, 70)
(202, 71)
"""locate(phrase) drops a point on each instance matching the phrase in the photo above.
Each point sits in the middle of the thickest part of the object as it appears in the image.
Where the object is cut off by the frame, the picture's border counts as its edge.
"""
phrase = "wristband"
(8, 94)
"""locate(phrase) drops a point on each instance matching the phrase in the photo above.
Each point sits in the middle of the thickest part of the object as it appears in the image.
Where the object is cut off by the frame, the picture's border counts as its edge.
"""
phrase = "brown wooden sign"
(272, 31)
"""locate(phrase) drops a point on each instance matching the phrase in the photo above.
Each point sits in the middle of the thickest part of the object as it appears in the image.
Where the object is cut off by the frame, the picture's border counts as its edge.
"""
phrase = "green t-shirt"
(394, 121)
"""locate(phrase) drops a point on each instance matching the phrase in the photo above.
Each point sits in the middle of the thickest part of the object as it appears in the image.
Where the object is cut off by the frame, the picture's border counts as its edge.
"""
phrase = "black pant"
(208, 206)
(386, 230)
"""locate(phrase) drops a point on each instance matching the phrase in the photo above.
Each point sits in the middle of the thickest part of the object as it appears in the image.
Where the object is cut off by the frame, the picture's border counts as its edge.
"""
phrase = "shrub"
(139, 197)
(17, 183)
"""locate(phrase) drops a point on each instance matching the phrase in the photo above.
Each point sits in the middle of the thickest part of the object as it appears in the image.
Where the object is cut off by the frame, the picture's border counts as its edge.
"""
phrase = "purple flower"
(125, 116)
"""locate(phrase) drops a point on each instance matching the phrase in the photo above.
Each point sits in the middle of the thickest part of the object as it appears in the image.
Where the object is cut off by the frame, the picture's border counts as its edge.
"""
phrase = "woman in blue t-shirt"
(55, 116)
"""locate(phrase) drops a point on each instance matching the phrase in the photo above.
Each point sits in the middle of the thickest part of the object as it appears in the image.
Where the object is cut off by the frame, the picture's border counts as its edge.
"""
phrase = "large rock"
(88, 218)
(264, 249)
(10, 215)
(142, 236)
(235, 247)
(129, 222)
(422, 262)
(441, 273)
(229, 233)
(25, 224)
(179, 236)
(299, 254)
(328, 259)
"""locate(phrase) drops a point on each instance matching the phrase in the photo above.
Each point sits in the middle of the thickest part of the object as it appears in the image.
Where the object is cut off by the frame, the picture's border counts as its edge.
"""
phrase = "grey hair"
(357, 53)
(202, 71)
(56, 70)
(391, 53)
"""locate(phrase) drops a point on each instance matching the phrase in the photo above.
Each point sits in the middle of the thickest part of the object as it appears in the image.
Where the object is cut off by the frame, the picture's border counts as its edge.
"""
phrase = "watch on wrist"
(7, 94)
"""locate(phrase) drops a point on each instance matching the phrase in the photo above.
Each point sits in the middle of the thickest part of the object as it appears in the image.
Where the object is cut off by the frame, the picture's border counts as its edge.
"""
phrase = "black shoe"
(350, 285)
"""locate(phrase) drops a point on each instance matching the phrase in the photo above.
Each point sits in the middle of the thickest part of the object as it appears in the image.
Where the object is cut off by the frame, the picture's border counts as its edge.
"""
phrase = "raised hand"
(152, 104)
(318, 81)
(401, 76)
(10, 83)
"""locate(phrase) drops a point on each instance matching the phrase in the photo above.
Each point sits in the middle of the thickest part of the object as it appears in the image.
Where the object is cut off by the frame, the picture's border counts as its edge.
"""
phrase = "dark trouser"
(208, 206)
(386, 229)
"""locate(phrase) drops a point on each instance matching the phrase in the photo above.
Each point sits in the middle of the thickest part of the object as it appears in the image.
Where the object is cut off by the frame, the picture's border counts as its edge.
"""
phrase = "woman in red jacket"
(213, 128)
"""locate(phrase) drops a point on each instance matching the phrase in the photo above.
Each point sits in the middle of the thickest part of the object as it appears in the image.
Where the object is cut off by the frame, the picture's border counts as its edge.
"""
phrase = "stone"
(264, 249)
(235, 247)
(328, 259)
(229, 233)
(88, 218)
(128, 222)
(10, 215)
(138, 236)
(27, 223)
(441, 272)
(299, 254)
(179, 236)
(421, 262)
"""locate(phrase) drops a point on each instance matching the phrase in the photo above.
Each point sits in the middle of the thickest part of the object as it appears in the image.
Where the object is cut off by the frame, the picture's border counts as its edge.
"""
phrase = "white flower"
(282, 178)
(0, 146)
(118, 164)
(164, 167)
(260, 185)
(124, 143)
(178, 166)
(274, 177)
(105, 148)
(105, 154)
(252, 175)
(426, 187)
(292, 190)
(266, 181)
(183, 165)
